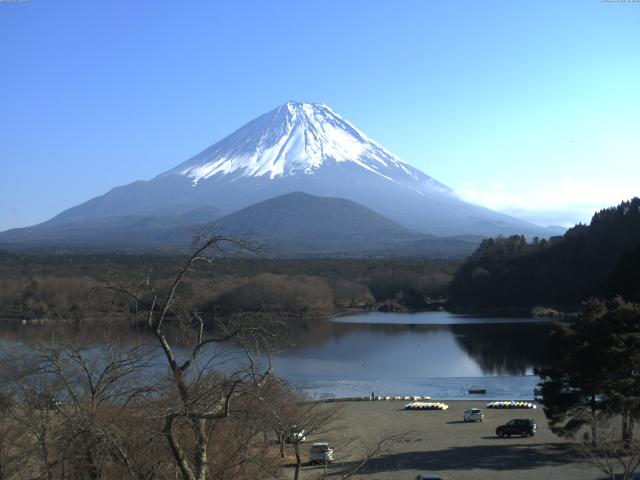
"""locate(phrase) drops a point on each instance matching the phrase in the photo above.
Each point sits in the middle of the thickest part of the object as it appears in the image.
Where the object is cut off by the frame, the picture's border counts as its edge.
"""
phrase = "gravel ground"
(440, 442)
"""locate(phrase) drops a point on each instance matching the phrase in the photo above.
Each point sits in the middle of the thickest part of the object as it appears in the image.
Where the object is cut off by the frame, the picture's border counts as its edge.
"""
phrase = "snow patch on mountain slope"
(300, 138)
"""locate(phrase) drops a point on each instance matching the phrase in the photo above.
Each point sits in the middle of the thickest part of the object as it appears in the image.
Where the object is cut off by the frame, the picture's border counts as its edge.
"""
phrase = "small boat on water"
(477, 391)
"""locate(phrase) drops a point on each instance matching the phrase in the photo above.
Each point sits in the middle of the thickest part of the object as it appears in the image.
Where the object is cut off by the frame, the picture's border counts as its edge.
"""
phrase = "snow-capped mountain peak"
(297, 148)
(299, 138)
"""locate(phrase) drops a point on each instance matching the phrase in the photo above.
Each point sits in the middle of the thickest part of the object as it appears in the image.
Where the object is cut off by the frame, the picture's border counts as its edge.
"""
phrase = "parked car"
(429, 476)
(296, 435)
(473, 415)
(321, 452)
(525, 427)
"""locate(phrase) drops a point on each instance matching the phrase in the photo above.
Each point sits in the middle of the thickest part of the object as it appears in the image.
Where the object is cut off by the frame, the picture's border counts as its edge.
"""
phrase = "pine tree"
(595, 369)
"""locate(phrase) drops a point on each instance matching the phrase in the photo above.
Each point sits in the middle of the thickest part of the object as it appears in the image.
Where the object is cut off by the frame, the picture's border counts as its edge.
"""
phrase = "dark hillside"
(589, 260)
(303, 214)
(292, 225)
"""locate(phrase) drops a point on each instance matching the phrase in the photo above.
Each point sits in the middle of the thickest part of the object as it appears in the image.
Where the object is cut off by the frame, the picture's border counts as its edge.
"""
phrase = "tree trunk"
(296, 476)
(594, 421)
(627, 428)
(176, 450)
(45, 453)
(90, 467)
(201, 454)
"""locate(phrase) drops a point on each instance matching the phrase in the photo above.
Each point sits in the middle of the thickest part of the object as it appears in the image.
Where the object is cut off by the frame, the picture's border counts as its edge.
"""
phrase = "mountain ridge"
(298, 147)
(292, 225)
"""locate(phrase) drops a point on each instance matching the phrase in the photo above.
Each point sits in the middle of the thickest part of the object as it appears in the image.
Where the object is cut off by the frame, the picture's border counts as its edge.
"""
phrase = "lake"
(439, 354)
(429, 353)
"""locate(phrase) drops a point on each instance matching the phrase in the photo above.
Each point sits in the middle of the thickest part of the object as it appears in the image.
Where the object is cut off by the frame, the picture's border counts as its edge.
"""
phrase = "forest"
(69, 286)
(507, 274)
(596, 260)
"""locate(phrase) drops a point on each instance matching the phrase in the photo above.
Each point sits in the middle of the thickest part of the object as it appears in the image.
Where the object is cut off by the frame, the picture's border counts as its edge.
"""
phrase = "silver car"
(473, 415)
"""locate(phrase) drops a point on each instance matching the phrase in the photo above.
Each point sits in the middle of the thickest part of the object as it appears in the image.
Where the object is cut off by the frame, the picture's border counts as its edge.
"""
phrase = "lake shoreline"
(433, 353)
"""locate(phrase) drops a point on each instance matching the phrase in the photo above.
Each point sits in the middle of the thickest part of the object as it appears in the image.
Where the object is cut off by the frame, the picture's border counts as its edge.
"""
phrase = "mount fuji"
(297, 147)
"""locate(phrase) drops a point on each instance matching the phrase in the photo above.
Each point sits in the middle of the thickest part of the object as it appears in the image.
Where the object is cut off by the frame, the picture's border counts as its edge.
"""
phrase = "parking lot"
(441, 442)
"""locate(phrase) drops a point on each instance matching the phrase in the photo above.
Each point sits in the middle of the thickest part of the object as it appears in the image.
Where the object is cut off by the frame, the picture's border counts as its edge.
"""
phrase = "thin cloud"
(564, 203)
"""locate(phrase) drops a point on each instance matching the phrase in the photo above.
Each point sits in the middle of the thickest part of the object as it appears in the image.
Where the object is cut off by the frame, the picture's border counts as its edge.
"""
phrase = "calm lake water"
(429, 353)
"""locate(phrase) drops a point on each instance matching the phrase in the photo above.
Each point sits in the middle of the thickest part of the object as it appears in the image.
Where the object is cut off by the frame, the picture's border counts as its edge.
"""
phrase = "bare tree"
(608, 450)
(29, 390)
(191, 403)
(308, 418)
(102, 388)
(353, 462)
(10, 458)
(202, 396)
(293, 418)
(76, 404)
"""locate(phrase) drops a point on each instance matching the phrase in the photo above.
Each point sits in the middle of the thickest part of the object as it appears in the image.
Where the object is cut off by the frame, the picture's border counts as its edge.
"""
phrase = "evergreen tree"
(595, 369)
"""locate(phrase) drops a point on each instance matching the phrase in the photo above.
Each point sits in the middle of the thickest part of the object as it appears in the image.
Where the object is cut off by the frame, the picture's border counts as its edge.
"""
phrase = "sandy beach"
(441, 442)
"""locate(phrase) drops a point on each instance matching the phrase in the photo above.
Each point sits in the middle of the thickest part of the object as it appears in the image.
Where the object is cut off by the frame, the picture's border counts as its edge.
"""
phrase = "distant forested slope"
(600, 259)
(63, 285)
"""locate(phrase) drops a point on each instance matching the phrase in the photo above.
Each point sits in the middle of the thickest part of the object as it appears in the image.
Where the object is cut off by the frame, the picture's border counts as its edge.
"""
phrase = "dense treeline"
(596, 260)
(66, 285)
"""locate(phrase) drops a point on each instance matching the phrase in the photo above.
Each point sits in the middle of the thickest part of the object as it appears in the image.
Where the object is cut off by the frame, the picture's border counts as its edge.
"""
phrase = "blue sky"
(527, 107)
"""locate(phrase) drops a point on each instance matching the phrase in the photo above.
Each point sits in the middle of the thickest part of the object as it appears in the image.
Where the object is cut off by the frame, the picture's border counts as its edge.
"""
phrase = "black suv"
(522, 427)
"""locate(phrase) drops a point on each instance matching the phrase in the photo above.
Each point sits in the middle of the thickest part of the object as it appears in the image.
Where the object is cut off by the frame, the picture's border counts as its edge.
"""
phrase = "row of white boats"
(510, 404)
(406, 398)
(418, 402)
(443, 406)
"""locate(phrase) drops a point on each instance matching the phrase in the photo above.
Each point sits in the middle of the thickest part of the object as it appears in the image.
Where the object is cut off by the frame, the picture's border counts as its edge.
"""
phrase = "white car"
(321, 452)
(473, 415)
(296, 435)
